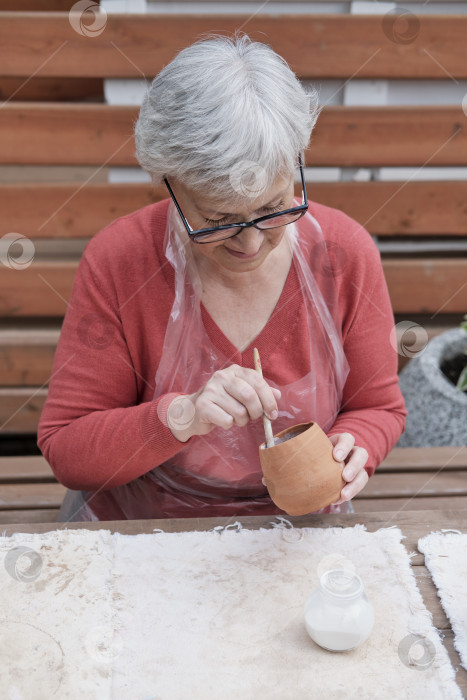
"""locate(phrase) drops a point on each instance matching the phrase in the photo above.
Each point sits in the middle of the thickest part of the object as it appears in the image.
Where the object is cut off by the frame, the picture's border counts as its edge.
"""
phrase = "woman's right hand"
(232, 396)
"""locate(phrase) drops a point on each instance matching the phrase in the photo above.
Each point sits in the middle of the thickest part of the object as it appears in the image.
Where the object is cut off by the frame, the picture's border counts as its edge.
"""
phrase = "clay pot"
(300, 472)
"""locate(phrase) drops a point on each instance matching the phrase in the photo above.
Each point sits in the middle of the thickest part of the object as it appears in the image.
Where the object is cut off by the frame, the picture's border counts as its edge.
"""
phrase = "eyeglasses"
(220, 233)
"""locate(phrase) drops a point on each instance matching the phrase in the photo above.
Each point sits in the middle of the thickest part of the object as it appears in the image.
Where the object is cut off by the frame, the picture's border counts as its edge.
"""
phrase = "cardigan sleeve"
(93, 431)
(373, 408)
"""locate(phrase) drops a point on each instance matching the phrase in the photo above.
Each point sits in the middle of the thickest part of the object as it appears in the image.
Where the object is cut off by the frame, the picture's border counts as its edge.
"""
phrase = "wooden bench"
(410, 478)
(54, 115)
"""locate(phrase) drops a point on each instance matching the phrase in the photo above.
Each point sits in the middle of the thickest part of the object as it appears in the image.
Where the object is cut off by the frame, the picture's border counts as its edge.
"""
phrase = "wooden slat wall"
(420, 285)
(411, 479)
(46, 122)
(26, 359)
(63, 134)
(63, 210)
(316, 46)
(52, 89)
(20, 409)
(38, 5)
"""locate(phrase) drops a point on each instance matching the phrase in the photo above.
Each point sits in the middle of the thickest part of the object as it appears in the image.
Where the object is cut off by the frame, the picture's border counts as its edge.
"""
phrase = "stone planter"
(437, 411)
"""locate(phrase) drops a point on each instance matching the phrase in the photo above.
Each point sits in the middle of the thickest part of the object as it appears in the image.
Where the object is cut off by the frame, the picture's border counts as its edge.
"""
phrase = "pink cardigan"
(100, 428)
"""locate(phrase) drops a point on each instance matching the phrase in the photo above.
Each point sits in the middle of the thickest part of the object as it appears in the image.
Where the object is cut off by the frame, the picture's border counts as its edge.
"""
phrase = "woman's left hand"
(354, 459)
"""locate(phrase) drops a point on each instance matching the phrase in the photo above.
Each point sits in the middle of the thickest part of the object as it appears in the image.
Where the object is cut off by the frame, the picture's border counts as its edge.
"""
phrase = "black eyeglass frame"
(204, 232)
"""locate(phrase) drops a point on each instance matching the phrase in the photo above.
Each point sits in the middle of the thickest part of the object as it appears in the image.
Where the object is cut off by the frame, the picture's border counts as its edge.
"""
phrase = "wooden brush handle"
(266, 422)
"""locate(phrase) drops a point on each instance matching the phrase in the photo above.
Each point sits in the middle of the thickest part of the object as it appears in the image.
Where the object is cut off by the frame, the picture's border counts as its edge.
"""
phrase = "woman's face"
(247, 250)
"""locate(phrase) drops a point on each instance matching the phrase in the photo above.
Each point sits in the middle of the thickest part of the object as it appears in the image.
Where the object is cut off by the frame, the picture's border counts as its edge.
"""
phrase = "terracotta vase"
(300, 472)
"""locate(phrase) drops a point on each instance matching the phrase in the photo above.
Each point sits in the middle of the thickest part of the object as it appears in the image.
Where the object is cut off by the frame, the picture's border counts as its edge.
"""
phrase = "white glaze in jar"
(338, 614)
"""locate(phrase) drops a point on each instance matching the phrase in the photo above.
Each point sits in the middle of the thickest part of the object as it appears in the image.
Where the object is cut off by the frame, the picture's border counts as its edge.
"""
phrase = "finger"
(352, 488)
(357, 460)
(210, 412)
(343, 443)
(265, 393)
(243, 394)
(239, 412)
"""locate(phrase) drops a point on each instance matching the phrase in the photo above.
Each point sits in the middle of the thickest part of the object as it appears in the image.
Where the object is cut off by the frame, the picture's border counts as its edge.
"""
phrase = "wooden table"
(413, 524)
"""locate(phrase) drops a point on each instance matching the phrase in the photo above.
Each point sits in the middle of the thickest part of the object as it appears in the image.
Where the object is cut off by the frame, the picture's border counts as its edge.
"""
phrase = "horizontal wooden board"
(31, 468)
(20, 496)
(71, 210)
(420, 484)
(406, 505)
(315, 46)
(33, 515)
(20, 409)
(405, 459)
(25, 361)
(93, 134)
(425, 285)
(383, 208)
(399, 460)
(42, 289)
(37, 5)
(52, 89)
(26, 357)
(432, 208)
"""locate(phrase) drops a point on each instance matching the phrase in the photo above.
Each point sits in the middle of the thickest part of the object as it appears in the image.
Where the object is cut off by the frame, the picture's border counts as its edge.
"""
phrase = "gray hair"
(222, 108)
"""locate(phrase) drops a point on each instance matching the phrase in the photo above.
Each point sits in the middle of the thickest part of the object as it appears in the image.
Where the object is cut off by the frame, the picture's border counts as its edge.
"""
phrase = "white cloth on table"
(446, 560)
(171, 616)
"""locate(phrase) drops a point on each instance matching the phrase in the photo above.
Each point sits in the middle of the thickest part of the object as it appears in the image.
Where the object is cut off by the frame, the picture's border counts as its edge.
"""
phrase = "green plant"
(462, 381)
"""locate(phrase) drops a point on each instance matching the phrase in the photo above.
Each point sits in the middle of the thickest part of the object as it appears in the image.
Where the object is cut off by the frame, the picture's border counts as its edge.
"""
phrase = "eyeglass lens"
(275, 222)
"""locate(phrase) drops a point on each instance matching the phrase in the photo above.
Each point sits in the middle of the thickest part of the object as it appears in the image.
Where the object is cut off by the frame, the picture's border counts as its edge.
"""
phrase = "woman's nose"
(249, 240)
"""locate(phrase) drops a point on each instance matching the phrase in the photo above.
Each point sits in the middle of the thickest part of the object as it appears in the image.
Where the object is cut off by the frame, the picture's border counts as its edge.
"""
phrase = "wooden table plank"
(461, 677)
(413, 526)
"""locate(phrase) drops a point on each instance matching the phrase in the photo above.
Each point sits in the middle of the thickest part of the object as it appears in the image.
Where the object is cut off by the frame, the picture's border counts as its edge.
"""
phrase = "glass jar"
(338, 614)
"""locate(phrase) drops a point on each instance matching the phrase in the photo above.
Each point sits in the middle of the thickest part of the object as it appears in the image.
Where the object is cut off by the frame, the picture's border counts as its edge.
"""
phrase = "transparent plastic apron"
(219, 474)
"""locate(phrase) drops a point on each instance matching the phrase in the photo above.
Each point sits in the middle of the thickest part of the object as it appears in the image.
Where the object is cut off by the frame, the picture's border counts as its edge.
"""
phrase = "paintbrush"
(266, 422)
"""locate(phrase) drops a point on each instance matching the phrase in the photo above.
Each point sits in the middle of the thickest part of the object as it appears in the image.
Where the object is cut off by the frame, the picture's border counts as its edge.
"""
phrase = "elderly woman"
(155, 408)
